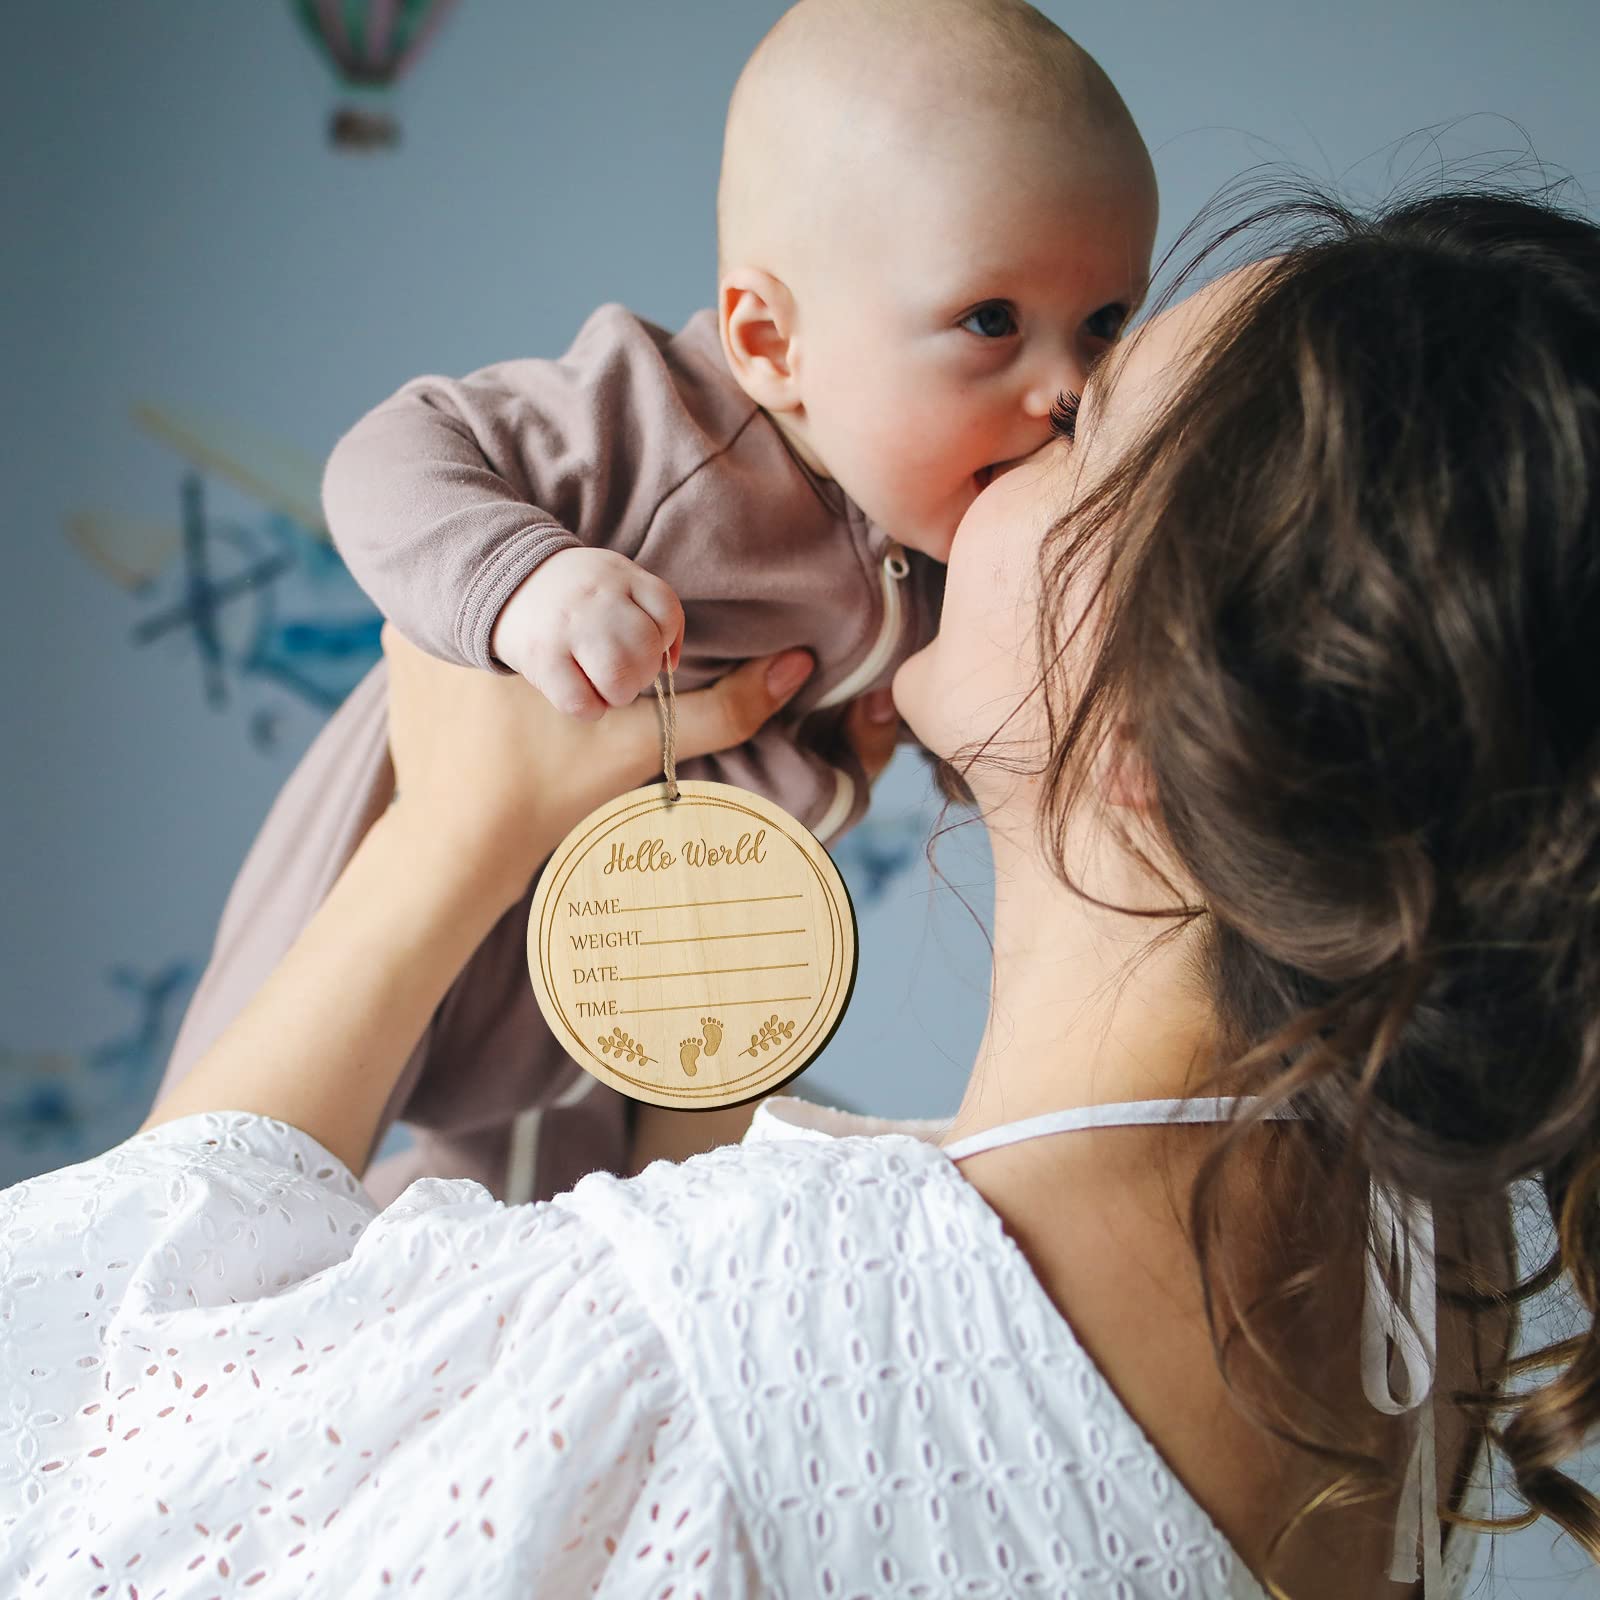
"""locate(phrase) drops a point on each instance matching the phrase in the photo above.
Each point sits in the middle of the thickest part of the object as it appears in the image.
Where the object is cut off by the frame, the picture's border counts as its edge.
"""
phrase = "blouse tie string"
(1398, 1330)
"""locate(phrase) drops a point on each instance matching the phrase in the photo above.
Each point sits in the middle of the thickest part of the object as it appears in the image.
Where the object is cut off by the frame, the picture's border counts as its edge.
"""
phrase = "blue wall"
(178, 230)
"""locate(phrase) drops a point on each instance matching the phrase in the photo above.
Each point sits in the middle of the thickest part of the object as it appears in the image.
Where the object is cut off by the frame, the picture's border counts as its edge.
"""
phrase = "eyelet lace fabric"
(804, 1366)
(224, 1374)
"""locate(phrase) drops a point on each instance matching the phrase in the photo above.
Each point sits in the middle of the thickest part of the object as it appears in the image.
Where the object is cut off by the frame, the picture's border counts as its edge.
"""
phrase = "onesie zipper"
(892, 572)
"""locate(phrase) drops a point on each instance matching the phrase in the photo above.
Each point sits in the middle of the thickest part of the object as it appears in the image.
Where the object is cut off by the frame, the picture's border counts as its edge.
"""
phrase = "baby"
(934, 215)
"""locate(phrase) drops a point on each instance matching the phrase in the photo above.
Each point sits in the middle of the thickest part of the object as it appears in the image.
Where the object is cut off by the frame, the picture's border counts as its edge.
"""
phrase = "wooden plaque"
(695, 952)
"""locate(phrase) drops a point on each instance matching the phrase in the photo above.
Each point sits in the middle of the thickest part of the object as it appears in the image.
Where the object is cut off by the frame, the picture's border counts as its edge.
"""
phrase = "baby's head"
(934, 215)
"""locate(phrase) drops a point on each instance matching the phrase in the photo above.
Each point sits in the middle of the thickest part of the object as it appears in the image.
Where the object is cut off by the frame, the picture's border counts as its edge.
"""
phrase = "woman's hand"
(478, 756)
(872, 727)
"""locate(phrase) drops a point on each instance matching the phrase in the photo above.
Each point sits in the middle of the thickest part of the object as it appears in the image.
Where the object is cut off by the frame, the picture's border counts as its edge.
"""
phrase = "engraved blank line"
(709, 972)
(703, 938)
(776, 1000)
(685, 905)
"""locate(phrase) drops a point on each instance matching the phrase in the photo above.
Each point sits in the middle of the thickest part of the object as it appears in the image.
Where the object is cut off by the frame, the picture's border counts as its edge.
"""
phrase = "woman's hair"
(1350, 614)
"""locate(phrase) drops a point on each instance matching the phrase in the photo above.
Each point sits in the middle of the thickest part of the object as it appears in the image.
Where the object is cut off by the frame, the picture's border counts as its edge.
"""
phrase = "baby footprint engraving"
(711, 1027)
(689, 1054)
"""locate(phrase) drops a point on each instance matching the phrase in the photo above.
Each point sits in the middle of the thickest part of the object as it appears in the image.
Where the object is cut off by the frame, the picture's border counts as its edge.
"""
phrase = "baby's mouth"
(984, 476)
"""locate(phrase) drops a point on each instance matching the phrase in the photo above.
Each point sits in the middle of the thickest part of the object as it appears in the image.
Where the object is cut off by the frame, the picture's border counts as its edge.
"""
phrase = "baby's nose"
(1049, 384)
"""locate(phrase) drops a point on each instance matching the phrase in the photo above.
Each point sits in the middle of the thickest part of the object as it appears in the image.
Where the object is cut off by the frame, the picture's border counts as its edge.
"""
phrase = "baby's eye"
(991, 320)
(1106, 323)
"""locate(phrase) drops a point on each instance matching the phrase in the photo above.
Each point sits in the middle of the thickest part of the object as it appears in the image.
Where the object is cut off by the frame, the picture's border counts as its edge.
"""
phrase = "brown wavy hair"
(1350, 611)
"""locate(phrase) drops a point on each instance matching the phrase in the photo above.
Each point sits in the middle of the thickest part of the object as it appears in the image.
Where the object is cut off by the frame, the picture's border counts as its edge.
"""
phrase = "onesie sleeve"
(445, 497)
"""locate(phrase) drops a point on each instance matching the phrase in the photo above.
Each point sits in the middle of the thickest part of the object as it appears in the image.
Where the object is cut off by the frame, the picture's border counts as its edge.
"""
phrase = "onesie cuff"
(839, 808)
(519, 556)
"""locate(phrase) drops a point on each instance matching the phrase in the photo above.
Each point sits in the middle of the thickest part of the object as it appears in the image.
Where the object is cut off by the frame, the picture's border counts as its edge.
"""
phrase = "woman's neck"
(1086, 1006)
(1089, 1007)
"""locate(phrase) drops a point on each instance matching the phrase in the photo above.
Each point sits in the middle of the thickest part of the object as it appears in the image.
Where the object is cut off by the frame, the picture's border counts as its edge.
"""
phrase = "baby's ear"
(755, 315)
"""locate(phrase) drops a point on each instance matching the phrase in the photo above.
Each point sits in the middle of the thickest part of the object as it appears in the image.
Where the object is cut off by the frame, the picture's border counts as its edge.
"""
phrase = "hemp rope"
(669, 727)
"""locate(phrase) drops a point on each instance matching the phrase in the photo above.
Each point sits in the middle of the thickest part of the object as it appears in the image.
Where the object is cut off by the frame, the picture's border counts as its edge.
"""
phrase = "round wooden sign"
(694, 952)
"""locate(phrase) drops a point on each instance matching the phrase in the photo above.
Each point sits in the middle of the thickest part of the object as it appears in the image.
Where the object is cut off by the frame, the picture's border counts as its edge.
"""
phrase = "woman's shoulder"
(888, 1386)
(804, 1176)
(818, 1235)
(825, 1213)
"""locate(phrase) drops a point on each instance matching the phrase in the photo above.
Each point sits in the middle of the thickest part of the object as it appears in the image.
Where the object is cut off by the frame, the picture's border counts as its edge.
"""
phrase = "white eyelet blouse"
(811, 1365)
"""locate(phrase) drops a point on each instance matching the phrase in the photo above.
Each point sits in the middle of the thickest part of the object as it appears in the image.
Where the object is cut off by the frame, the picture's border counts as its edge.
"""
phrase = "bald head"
(842, 95)
(934, 216)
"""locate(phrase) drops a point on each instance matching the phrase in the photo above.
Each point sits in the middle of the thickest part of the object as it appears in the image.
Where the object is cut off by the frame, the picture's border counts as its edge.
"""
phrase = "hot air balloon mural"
(370, 45)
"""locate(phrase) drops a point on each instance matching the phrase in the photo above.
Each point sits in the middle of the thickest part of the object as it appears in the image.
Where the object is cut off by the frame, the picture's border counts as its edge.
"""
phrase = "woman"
(1296, 861)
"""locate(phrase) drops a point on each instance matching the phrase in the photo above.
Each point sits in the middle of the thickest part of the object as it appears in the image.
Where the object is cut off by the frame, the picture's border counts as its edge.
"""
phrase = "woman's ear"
(755, 316)
(1125, 777)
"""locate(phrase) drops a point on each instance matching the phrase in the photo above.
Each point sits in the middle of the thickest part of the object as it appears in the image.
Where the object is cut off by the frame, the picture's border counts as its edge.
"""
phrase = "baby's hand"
(588, 630)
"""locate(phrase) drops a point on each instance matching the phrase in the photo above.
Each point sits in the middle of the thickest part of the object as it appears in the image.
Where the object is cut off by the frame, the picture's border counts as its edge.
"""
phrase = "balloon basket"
(361, 128)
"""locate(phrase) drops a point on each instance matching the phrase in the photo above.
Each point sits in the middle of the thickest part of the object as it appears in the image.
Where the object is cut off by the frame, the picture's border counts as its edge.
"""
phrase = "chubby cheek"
(922, 442)
(953, 438)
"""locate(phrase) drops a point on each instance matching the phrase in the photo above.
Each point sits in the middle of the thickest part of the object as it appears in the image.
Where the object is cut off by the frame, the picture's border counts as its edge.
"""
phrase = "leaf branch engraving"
(623, 1047)
(772, 1033)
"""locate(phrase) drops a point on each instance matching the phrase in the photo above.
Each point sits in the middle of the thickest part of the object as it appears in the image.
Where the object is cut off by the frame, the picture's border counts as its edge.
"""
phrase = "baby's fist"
(588, 630)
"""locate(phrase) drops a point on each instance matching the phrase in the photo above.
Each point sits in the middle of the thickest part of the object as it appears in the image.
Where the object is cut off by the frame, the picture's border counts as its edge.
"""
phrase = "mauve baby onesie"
(441, 501)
